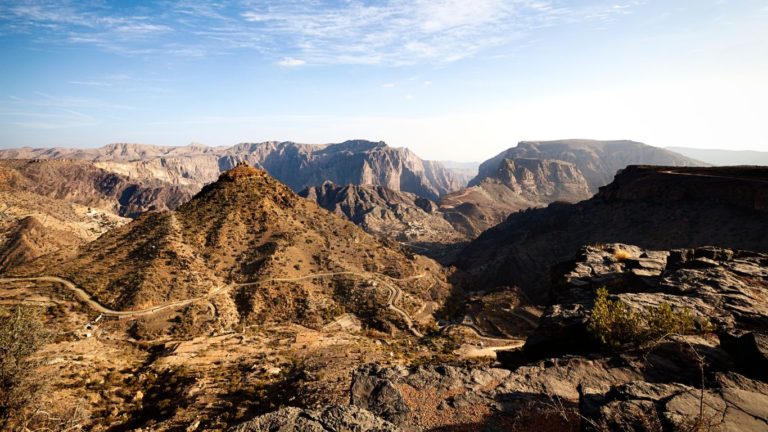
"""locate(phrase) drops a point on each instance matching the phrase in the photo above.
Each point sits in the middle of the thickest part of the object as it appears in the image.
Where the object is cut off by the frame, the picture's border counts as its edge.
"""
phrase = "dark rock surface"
(655, 208)
(732, 403)
(732, 293)
(460, 398)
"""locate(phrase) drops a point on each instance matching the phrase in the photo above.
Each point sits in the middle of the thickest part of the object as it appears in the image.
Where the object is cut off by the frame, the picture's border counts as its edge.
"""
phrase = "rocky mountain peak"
(240, 172)
(239, 188)
(540, 180)
(598, 161)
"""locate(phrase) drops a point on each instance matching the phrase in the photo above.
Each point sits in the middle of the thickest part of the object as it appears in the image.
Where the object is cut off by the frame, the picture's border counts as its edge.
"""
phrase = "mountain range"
(580, 286)
(530, 175)
(297, 165)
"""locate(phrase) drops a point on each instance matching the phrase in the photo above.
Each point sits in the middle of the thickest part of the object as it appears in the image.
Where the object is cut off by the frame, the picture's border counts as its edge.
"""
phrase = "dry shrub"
(620, 255)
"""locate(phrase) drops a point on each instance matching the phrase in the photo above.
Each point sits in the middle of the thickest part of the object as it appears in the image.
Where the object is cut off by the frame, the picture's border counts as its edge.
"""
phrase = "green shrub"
(615, 324)
(663, 320)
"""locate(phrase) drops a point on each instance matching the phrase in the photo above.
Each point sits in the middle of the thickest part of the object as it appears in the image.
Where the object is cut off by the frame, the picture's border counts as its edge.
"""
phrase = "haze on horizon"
(449, 79)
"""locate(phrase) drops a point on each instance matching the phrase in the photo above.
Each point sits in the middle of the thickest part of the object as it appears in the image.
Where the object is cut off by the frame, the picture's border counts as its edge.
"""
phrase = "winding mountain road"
(395, 295)
(86, 298)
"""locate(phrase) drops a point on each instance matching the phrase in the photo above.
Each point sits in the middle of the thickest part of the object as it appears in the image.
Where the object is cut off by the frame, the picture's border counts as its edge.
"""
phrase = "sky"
(450, 79)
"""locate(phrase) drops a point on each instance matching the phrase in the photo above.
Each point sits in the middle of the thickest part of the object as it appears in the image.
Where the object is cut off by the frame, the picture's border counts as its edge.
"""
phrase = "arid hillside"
(84, 183)
(281, 257)
(32, 225)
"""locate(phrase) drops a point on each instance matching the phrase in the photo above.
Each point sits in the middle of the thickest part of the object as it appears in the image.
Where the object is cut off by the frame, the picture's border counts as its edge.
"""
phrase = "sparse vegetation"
(615, 324)
(22, 333)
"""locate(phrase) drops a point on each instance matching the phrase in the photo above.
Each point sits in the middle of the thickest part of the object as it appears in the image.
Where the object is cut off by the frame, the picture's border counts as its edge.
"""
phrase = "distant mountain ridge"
(722, 157)
(297, 165)
(597, 160)
(537, 173)
(402, 216)
(516, 184)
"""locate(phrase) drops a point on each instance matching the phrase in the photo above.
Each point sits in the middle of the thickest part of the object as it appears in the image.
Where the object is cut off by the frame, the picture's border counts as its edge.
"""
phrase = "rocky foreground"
(634, 340)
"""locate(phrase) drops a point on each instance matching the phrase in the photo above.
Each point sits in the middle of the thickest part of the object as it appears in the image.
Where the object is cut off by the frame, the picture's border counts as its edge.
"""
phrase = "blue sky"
(449, 79)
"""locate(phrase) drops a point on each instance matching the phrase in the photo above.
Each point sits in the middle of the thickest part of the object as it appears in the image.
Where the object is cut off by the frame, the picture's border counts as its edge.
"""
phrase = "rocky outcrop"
(401, 216)
(707, 381)
(732, 403)
(564, 378)
(328, 419)
(297, 165)
(598, 161)
(515, 184)
(652, 207)
(442, 397)
(725, 287)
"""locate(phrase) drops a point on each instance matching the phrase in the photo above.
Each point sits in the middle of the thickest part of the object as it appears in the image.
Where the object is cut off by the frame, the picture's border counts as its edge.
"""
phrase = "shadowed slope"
(653, 207)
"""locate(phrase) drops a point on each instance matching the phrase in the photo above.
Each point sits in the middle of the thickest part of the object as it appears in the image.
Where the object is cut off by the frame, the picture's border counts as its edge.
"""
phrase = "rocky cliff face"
(515, 184)
(84, 183)
(598, 161)
(653, 207)
(402, 216)
(709, 375)
(297, 165)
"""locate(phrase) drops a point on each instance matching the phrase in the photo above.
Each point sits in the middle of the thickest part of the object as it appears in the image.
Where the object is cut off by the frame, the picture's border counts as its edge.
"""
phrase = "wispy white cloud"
(388, 32)
(291, 62)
